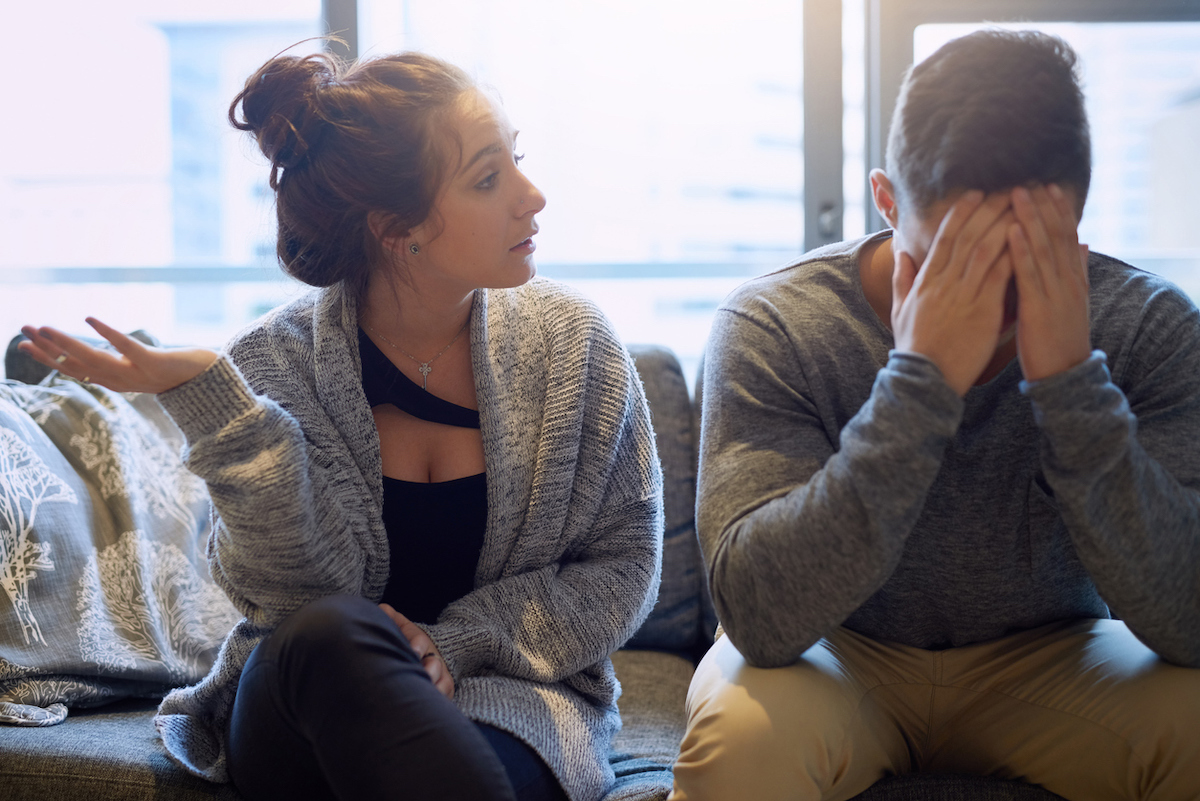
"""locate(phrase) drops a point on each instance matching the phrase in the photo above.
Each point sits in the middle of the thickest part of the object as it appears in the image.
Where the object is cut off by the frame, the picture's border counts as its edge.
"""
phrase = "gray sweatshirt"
(842, 483)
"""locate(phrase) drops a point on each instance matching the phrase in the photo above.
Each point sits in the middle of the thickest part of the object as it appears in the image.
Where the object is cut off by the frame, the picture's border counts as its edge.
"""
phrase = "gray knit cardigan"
(571, 556)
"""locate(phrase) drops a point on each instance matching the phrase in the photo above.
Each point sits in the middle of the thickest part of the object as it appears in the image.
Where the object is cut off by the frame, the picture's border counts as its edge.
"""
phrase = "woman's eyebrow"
(496, 147)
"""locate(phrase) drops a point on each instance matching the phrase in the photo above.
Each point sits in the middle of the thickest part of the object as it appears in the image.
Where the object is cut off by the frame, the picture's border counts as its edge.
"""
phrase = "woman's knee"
(331, 629)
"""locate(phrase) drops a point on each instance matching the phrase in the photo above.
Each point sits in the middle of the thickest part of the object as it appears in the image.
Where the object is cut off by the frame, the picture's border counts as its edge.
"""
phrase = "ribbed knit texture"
(570, 562)
(843, 484)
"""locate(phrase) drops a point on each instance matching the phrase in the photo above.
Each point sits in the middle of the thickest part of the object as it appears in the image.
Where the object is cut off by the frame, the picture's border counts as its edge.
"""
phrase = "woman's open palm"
(134, 368)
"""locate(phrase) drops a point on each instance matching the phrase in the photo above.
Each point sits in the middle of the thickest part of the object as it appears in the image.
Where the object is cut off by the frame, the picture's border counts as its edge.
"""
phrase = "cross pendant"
(425, 370)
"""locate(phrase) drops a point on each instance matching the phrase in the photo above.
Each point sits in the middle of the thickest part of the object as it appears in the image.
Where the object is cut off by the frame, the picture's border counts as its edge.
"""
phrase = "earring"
(413, 249)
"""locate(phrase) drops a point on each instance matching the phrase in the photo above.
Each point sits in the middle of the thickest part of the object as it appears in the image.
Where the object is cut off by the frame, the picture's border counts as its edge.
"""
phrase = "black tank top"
(435, 530)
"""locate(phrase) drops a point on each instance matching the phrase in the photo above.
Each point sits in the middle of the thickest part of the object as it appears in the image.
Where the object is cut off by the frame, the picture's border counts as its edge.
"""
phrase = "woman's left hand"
(426, 651)
(134, 368)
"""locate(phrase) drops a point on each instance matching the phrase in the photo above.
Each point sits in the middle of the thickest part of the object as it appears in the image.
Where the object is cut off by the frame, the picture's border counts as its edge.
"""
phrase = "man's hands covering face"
(951, 310)
(1053, 329)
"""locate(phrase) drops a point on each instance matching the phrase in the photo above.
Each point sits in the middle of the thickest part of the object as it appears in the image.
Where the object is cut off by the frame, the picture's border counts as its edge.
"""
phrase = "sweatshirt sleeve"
(1126, 473)
(798, 528)
(279, 538)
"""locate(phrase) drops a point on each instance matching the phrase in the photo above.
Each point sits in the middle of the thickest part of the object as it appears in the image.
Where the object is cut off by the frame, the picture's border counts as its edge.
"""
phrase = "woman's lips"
(525, 247)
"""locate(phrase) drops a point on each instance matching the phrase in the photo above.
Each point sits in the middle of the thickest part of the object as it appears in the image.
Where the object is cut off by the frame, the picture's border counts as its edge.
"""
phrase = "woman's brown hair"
(346, 140)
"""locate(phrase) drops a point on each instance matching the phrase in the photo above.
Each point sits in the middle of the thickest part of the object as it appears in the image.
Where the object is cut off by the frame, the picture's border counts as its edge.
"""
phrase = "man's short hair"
(991, 110)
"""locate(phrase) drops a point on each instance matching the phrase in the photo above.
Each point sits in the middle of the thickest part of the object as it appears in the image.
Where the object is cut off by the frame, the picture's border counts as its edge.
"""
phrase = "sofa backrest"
(683, 619)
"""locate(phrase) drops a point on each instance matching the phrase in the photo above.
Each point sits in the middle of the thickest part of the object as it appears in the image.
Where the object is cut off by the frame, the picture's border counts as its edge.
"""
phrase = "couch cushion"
(675, 622)
(653, 691)
(106, 754)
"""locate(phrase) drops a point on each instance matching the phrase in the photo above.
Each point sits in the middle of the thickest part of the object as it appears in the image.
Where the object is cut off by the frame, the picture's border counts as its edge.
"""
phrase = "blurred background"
(683, 145)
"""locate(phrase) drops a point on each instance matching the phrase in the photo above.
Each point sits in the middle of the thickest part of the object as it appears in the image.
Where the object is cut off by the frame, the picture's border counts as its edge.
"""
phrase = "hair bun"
(279, 105)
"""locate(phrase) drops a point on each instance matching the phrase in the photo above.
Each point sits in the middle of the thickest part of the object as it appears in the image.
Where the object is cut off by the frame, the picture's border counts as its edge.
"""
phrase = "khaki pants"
(1080, 707)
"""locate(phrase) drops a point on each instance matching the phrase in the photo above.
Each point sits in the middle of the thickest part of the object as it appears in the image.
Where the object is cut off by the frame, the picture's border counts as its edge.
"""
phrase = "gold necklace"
(424, 368)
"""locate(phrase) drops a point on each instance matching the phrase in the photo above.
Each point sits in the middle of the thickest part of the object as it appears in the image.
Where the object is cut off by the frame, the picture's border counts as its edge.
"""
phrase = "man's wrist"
(1042, 372)
(1082, 414)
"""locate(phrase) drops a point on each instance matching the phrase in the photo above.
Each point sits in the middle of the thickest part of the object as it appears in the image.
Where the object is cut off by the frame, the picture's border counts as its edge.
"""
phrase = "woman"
(435, 478)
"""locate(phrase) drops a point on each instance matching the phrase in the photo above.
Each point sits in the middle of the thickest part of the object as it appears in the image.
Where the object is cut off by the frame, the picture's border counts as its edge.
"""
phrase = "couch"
(112, 751)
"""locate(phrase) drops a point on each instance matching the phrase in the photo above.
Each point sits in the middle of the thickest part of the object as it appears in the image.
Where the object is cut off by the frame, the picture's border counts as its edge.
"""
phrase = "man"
(928, 474)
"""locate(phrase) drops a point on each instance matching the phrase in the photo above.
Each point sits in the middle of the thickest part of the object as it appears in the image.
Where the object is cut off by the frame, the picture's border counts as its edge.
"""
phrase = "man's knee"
(1165, 739)
(774, 733)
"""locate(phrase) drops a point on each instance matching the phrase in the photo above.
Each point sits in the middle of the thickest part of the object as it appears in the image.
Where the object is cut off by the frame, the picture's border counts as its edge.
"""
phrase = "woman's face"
(480, 233)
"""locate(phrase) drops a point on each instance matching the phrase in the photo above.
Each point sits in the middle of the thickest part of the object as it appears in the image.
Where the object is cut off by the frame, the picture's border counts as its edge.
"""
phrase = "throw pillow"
(106, 591)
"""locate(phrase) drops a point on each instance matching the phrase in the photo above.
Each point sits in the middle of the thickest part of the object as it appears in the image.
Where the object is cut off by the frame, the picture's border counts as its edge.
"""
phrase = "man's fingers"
(986, 252)
(904, 273)
(1058, 216)
(1043, 232)
(949, 230)
(1018, 247)
(1060, 228)
(1036, 239)
(963, 246)
(1066, 223)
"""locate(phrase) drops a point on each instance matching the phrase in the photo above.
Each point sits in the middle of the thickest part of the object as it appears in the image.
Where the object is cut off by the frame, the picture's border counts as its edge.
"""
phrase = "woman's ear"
(884, 195)
(392, 242)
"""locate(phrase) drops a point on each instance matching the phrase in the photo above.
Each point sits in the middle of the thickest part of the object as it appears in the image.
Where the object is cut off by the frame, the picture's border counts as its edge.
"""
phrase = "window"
(683, 145)
(124, 192)
(1141, 76)
(666, 137)
(1142, 89)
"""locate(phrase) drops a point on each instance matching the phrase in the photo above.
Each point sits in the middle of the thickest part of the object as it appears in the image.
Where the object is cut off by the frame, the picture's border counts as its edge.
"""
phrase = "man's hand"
(951, 310)
(1053, 329)
(425, 650)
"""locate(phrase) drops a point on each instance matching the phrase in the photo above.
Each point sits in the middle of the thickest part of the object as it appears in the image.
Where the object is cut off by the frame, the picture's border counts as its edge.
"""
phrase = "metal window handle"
(828, 221)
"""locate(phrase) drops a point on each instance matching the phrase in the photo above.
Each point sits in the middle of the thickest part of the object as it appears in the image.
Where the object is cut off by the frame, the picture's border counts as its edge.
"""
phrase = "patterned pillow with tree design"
(106, 591)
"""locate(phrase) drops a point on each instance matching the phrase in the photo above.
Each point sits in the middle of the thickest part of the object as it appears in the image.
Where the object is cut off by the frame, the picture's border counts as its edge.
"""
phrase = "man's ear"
(378, 222)
(884, 195)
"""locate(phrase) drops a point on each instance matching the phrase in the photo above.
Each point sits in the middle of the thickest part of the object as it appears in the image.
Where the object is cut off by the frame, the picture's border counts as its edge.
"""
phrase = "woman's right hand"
(137, 368)
(425, 650)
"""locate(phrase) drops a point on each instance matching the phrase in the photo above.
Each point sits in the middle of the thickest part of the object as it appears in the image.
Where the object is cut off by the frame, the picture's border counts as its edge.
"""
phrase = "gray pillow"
(676, 622)
(102, 533)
